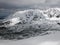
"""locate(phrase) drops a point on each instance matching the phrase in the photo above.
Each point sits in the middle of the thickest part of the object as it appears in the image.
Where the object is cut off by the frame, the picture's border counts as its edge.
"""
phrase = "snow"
(36, 19)
(53, 39)
(14, 21)
(39, 13)
(50, 43)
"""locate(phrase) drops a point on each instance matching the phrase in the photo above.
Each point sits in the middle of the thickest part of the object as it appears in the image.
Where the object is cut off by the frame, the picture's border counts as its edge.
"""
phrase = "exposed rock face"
(29, 23)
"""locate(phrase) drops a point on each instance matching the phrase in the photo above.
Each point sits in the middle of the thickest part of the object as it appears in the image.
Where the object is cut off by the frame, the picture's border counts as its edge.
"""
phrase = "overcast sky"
(20, 3)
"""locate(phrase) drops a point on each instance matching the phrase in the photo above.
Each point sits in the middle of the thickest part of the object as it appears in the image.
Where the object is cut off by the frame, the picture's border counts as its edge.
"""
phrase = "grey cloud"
(22, 2)
(52, 1)
(29, 2)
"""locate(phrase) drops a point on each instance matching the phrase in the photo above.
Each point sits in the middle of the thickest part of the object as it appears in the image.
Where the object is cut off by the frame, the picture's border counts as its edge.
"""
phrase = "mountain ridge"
(30, 23)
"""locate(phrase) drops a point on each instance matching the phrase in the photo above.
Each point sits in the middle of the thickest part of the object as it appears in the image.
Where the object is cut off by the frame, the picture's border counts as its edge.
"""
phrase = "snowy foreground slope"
(30, 23)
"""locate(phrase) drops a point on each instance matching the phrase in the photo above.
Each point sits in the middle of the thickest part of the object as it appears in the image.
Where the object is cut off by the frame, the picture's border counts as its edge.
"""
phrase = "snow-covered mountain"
(34, 15)
(31, 22)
